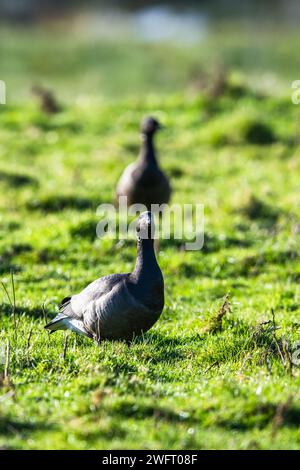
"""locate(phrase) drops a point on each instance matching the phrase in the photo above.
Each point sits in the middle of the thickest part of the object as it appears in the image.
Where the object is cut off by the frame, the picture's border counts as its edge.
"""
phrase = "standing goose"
(143, 182)
(118, 306)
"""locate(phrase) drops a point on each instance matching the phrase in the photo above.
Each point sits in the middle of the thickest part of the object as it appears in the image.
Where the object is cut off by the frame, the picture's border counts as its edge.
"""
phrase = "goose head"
(145, 226)
(150, 125)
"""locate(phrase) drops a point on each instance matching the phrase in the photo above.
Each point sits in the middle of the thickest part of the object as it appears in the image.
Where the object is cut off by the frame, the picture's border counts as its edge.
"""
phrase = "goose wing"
(72, 308)
(142, 184)
(117, 314)
(127, 179)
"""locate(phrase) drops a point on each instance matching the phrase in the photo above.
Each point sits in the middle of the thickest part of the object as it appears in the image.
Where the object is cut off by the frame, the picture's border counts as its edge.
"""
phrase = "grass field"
(195, 380)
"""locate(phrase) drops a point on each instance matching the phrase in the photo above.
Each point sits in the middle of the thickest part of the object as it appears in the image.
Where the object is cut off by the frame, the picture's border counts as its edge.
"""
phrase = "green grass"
(186, 384)
(196, 380)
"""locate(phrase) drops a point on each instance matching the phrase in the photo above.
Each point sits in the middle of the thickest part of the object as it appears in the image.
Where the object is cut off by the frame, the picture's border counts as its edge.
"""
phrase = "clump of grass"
(283, 347)
(215, 323)
(256, 209)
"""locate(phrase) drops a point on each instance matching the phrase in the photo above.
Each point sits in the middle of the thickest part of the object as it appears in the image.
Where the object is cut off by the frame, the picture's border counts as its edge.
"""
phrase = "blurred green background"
(218, 75)
(127, 48)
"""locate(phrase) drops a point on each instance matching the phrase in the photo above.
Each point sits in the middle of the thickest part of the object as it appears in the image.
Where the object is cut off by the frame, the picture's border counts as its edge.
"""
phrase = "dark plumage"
(143, 182)
(118, 306)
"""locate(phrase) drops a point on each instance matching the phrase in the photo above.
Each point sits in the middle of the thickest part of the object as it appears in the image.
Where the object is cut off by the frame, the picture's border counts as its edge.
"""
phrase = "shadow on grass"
(7, 256)
(259, 133)
(175, 172)
(33, 312)
(48, 254)
(57, 203)
(212, 243)
(256, 264)
(55, 123)
(259, 417)
(85, 230)
(9, 426)
(260, 211)
(10, 226)
(140, 411)
(157, 339)
(114, 431)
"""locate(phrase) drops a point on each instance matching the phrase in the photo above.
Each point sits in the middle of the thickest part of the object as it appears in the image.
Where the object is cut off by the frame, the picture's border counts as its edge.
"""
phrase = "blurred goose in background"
(143, 182)
(47, 100)
(118, 306)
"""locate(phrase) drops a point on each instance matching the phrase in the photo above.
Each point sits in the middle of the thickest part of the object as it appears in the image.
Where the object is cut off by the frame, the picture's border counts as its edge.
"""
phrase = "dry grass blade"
(7, 360)
(65, 346)
(28, 342)
(44, 313)
(287, 355)
(214, 364)
(14, 303)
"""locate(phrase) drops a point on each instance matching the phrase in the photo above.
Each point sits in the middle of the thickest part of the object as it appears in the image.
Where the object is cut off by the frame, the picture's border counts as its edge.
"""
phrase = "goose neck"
(146, 263)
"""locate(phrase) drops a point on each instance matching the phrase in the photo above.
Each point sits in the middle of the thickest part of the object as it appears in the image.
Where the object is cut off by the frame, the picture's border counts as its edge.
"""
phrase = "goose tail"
(58, 323)
(63, 322)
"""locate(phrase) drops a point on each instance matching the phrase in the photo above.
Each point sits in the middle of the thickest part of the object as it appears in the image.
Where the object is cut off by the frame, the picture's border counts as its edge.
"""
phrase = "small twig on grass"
(6, 292)
(29, 337)
(28, 342)
(216, 321)
(7, 359)
(214, 364)
(12, 302)
(45, 313)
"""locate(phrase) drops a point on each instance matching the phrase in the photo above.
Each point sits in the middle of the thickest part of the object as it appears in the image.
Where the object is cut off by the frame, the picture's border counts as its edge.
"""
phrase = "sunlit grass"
(185, 385)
